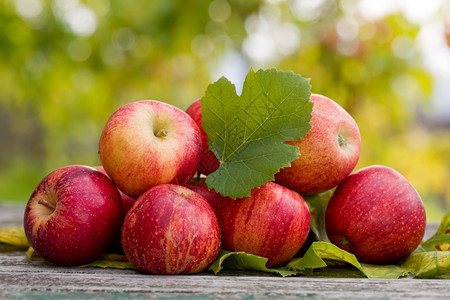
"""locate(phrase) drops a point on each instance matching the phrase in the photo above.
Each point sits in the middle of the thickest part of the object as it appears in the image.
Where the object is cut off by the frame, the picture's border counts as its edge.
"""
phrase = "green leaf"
(323, 254)
(111, 260)
(429, 264)
(316, 255)
(247, 262)
(106, 260)
(247, 132)
(317, 206)
(441, 239)
(13, 238)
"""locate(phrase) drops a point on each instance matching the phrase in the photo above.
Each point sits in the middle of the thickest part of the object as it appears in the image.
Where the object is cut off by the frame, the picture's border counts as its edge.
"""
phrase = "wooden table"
(23, 279)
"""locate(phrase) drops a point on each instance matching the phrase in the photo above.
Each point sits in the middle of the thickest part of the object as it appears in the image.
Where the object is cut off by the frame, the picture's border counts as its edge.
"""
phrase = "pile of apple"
(146, 199)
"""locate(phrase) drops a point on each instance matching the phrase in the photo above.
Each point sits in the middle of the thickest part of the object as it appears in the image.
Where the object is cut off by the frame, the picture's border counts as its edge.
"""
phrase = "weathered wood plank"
(20, 278)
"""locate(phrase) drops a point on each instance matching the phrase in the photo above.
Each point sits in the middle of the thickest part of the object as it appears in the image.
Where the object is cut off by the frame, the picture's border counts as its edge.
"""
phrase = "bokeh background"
(67, 65)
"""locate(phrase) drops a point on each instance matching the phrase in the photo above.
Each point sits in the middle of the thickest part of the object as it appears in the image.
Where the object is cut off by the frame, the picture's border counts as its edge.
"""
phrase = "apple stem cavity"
(161, 133)
(341, 140)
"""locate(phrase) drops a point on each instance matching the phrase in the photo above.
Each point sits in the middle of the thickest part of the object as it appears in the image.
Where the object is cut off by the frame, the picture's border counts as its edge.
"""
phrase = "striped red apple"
(171, 230)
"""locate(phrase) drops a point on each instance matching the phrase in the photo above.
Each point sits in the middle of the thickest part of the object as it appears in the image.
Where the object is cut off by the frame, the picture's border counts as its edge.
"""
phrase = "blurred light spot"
(31, 11)
(347, 48)
(234, 67)
(183, 65)
(80, 18)
(307, 10)
(124, 39)
(219, 10)
(419, 11)
(65, 5)
(287, 37)
(202, 45)
(373, 10)
(367, 31)
(349, 7)
(403, 47)
(79, 49)
(111, 55)
(259, 47)
(83, 80)
(269, 37)
(214, 29)
(29, 8)
(406, 86)
(347, 29)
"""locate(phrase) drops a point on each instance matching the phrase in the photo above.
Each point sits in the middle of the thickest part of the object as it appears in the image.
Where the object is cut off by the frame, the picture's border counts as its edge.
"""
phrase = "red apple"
(216, 200)
(146, 143)
(273, 222)
(127, 201)
(73, 215)
(377, 215)
(171, 230)
(209, 162)
(328, 153)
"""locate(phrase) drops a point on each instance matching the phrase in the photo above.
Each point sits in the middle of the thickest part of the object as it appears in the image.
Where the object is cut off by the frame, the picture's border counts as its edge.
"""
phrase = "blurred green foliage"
(66, 65)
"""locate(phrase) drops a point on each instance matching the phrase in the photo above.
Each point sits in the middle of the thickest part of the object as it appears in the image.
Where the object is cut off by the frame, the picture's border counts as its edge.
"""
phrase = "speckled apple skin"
(209, 162)
(171, 230)
(87, 218)
(273, 223)
(136, 159)
(323, 163)
(377, 215)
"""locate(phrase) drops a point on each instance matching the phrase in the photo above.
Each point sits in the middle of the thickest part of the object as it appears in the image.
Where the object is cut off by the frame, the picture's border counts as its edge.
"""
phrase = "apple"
(273, 223)
(171, 230)
(127, 201)
(73, 215)
(328, 153)
(147, 143)
(209, 162)
(216, 200)
(377, 215)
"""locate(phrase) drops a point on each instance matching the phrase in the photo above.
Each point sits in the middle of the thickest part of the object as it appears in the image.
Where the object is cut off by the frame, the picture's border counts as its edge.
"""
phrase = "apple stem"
(161, 133)
(47, 204)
